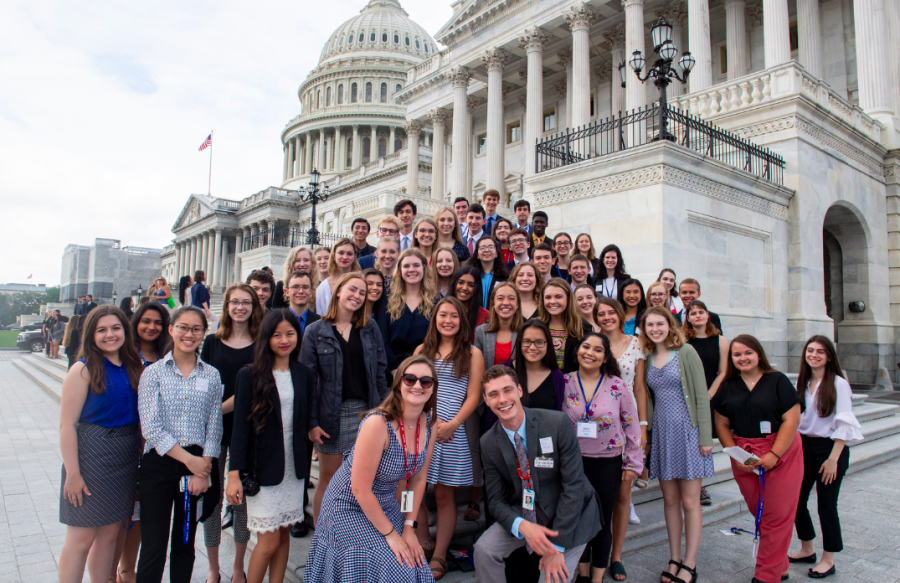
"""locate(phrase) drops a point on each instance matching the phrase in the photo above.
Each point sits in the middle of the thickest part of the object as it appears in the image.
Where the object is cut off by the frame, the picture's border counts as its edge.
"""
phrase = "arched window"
(384, 37)
(426, 47)
(372, 36)
(341, 42)
(383, 93)
(353, 93)
(340, 94)
(398, 88)
(350, 39)
(366, 148)
(396, 39)
(362, 36)
(369, 92)
(328, 97)
(407, 41)
(398, 144)
(382, 148)
(417, 43)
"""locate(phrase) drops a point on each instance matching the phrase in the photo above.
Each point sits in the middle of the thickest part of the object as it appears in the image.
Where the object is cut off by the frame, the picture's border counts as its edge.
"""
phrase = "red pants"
(780, 503)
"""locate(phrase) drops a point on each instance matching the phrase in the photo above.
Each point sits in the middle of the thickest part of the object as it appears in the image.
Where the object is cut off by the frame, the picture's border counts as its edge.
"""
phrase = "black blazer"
(570, 360)
(265, 450)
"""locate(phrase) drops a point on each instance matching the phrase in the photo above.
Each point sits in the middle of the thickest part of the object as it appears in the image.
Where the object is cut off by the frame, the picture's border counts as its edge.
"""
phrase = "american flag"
(206, 143)
(29, 277)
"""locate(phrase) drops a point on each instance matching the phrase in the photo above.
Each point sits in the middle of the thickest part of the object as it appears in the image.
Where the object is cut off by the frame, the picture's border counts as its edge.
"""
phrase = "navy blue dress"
(407, 332)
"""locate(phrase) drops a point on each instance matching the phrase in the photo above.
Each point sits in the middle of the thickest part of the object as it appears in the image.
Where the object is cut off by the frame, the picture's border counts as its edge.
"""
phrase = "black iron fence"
(287, 237)
(640, 127)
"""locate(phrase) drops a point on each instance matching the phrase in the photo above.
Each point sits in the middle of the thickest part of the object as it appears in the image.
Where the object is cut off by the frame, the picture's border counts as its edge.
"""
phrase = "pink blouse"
(614, 412)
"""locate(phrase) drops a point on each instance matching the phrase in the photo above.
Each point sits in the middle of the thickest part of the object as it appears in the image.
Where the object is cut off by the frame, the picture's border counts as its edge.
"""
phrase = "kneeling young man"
(535, 485)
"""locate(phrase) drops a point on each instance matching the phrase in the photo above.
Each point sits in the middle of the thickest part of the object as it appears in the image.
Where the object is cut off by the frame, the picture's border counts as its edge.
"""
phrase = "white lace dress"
(281, 505)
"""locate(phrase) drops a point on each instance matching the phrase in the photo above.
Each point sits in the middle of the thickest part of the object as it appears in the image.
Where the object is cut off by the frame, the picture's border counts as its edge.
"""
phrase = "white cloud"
(104, 104)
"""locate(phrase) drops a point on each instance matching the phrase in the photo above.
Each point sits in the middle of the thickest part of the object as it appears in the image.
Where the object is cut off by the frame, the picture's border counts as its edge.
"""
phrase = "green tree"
(17, 304)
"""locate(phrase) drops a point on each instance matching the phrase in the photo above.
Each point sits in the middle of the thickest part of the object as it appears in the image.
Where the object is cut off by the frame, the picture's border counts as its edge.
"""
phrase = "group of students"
(544, 381)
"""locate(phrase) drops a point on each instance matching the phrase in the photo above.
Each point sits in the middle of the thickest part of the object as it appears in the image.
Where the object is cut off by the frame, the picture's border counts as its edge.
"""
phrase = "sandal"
(428, 548)
(616, 569)
(125, 576)
(666, 577)
(442, 569)
(473, 512)
(641, 483)
(693, 573)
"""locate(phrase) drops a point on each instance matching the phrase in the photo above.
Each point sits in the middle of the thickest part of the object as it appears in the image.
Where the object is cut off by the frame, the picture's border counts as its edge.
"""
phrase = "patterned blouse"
(181, 411)
(628, 362)
(615, 414)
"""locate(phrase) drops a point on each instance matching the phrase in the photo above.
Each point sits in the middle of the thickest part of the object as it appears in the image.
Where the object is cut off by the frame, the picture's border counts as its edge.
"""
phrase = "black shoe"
(228, 518)
(816, 575)
(299, 529)
(807, 559)
(705, 499)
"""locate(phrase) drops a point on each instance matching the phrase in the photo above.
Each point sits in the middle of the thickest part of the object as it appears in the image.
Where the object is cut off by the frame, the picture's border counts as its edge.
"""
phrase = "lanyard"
(608, 292)
(759, 511)
(187, 512)
(527, 476)
(145, 363)
(405, 454)
(559, 273)
(586, 402)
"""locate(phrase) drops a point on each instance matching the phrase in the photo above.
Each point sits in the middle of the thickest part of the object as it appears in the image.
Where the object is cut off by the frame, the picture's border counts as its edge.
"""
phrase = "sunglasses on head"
(425, 382)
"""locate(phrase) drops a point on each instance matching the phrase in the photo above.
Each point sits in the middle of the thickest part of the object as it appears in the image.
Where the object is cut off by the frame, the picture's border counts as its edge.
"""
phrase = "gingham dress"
(451, 462)
(346, 548)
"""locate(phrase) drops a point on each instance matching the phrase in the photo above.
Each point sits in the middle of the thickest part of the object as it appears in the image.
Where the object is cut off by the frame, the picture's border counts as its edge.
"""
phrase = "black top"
(354, 380)
(708, 351)
(228, 361)
(544, 396)
(772, 397)
(367, 250)
(556, 271)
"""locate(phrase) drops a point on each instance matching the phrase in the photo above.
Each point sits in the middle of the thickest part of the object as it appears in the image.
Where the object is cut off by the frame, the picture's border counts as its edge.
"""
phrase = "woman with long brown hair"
(72, 338)
(410, 303)
(364, 531)
(425, 237)
(228, 351)
(459, 367)
(449, 233)
(445, 264)
(584, 245)
(341, 261)
(827, 425)
(758, 410)
(560, 312)
(100, 437)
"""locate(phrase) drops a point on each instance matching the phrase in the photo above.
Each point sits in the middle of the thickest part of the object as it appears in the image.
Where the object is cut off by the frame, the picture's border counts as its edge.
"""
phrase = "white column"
(238, 246)
(190, 257)
(216, 265)
(579, 20)
(776, 32)
(809, 35)
(678, 18)
(393, 136)
(737, 42)
(210, 258)
(413, 128)
(495, 59)
(635, 92)
(461, 134)
(698, 44)
(616, 39)
(296, 163)
(565, 59)
(471, 103)
(892, 27)
(336, 149)
(438, 121)
(309, 151)
(288, 159)
(871, 60)
(355, 146)
(320, 161)
(533, 42)
(196, 248)
(373, 144)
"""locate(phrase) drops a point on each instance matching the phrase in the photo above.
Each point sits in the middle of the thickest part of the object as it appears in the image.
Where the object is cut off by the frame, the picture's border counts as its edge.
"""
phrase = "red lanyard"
(405, 454)
(527, 476)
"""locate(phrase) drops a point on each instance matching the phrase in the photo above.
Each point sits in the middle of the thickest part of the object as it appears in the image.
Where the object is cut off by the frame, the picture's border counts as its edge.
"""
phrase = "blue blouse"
(629, 327)
(486, 280)
(117, 406)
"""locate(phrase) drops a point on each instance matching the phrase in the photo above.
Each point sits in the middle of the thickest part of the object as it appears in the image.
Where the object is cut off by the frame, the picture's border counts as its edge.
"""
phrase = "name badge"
(587, 429)
(543, 462)
(765, 427)
(201, 385)
(528, 499)
(546, 445)
(406, 501)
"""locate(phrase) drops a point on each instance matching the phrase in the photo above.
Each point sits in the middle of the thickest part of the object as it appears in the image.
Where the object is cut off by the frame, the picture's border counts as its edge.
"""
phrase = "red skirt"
(782, 490)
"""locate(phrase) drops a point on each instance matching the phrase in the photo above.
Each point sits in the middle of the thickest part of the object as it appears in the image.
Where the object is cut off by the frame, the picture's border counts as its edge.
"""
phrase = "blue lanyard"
(145, 363)
(759, 511)
(608, 291)
(187, 511)
(586, 402)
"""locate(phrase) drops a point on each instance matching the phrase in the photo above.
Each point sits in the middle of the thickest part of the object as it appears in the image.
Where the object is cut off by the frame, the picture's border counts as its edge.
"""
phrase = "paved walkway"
(31, 536)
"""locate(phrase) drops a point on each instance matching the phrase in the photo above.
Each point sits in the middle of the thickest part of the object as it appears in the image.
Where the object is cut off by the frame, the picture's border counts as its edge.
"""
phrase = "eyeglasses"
(300, 288)
(563, 243)
(658, 295)
(384, 231)
(240, 304)
(535, 343)
(518, 241)
(425, 382)
(184, 330)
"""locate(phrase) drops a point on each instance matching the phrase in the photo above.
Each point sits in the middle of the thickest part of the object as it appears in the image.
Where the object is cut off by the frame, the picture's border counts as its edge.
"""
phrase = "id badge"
(543, 462)
(587, 429)
(765, 427)
(527, 499)
(406, 501)
(183, 483)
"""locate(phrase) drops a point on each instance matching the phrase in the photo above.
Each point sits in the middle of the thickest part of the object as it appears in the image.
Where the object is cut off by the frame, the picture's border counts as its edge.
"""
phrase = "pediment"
(467, 10)
(196, 207)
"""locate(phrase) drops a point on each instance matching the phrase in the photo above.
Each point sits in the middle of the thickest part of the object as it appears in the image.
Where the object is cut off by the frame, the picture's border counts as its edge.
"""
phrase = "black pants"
(815, 451)
(160, 476)
(605, 475)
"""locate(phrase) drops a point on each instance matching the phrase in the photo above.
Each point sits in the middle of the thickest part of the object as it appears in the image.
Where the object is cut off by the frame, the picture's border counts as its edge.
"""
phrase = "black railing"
(640, 127)
(287, 237)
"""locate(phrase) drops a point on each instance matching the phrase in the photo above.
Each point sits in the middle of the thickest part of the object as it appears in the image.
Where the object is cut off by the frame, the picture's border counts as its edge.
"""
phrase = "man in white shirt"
(475, 220)
(406, 211)
(461, 206)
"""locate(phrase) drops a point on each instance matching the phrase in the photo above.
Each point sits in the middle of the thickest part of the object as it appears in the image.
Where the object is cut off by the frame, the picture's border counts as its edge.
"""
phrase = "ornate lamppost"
(663, 70)
(313, 195)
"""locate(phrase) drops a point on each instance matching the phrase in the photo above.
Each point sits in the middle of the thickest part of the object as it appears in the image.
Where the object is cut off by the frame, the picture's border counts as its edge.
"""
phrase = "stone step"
(47, 366)
(60, 363)
(859, 399)
(872, 411)
(47, 383)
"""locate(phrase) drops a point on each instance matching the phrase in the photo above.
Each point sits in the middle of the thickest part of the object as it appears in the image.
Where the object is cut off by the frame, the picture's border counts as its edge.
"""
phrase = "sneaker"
(705, 499)
(633, 518)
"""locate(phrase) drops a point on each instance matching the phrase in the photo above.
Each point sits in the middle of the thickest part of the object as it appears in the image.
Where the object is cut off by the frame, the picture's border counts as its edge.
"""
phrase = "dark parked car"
(30, 340)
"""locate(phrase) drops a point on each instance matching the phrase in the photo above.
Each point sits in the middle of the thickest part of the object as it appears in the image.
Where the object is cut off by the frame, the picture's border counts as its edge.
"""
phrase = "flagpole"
(209, 186)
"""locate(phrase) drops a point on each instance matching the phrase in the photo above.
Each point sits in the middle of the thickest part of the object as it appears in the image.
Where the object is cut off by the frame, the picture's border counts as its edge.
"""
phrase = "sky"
(104, 104)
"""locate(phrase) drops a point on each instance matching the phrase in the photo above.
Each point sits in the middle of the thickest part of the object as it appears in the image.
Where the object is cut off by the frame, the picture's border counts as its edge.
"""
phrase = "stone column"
(322, 158)
(373, 144)
(177, 259)
(210, 258)
(471, 103)
(288, 160)
(871, 58)
(461, 133)
(678, 18)
(616, 39)
(238, 247)
(354, 156)
(533, 42)
(737, 43)
(635, 92)
(809, 35)
(892, 27)
(202, 252)
(698, 44)
(196, 248)
(579, 20)
(495, 59)
(336, 150)
(438, 121)
(190, 256)
(309, 150)
(218, 264)
(296, 163)
(390, 145)
(565, 59)
(776, 32)
(412, 128)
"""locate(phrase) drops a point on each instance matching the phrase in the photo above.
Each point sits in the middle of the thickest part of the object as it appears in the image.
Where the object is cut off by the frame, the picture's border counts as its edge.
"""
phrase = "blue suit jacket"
(366, 261)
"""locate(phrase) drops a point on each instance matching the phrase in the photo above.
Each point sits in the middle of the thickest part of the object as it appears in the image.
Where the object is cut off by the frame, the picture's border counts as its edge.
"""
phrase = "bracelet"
(643, 424)
(775, 454)
(458, 424)
(388, 533)
(412, 523)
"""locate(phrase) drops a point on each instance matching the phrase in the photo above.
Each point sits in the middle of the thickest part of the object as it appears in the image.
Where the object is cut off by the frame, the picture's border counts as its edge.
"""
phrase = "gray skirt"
(346, 437)
(109, 459)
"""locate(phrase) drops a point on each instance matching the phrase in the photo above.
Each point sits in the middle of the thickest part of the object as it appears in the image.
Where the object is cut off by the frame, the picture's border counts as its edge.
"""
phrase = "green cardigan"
(696, 395)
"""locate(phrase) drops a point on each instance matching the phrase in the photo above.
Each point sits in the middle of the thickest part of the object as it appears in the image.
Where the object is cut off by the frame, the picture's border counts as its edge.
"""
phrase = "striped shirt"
(181, 411)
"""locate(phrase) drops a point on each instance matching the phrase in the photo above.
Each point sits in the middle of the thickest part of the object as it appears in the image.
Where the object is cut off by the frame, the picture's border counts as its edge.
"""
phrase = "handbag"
(171, 302)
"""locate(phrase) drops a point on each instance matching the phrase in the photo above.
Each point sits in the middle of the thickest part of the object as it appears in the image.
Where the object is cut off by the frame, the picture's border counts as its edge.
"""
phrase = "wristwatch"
(412, 523)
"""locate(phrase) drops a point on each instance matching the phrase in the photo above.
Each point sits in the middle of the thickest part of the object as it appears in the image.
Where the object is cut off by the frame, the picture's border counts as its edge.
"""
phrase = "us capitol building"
(777, 183)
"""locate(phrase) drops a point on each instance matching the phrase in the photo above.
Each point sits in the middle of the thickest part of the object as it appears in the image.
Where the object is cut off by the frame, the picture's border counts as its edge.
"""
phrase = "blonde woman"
(449, 233)
(386, 254)
(321, 257)
(526, 278)
(160, 291)
(445, 263)
(584, 245)
(299, 259)
(410, 303)
(341, 261)
(425, 237)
